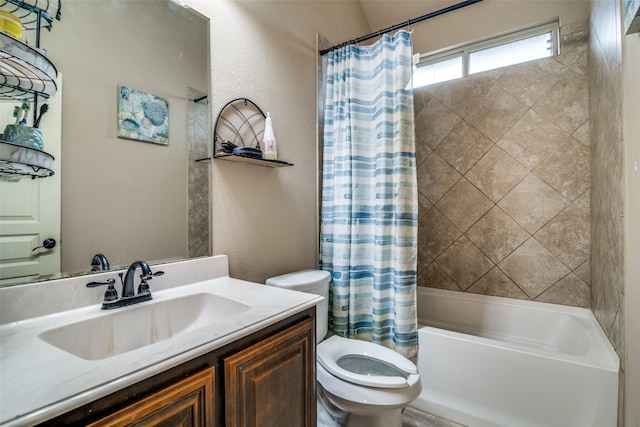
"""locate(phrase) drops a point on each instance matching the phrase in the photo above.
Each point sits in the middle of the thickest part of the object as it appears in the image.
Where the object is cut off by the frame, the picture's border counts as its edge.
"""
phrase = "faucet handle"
(110, 294)
(144, 285)
(108, 282)
(151, 275)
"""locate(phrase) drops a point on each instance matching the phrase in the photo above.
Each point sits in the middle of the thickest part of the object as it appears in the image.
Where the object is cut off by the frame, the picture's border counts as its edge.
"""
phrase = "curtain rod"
(404, 24)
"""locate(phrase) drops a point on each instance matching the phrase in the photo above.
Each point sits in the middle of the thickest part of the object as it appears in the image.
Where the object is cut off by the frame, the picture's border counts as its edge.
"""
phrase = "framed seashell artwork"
(142, 116)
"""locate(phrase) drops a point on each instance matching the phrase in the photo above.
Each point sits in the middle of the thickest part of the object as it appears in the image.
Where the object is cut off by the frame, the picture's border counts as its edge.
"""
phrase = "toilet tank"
(313, 282)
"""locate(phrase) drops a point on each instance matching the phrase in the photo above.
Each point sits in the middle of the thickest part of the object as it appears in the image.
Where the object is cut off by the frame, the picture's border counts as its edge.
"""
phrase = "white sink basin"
(134, 327)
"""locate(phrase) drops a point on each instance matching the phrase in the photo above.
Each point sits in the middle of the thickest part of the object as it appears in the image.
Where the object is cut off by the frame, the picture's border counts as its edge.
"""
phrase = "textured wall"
(504, 179)
(266, 219)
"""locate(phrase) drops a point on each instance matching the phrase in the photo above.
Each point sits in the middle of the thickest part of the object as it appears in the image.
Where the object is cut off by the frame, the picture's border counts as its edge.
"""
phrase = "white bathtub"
(490, 361)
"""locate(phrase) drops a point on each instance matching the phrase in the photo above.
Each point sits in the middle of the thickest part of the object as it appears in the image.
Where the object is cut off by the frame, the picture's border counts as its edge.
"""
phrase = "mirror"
(123, 197)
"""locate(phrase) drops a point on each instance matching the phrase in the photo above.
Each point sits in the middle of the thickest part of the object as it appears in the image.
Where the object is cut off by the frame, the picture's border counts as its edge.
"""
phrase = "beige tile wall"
(607, 166)
(503, 175)
(607, 181)
(198, 180)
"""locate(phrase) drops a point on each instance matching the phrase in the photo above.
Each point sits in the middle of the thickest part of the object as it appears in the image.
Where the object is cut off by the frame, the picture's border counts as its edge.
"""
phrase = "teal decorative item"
(155, 112)
(26, 106)
(142, 116)
(24, 135)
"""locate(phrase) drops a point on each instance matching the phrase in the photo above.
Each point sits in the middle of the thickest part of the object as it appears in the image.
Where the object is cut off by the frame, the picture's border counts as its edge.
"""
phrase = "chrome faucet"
(99, 262)
(128, 297)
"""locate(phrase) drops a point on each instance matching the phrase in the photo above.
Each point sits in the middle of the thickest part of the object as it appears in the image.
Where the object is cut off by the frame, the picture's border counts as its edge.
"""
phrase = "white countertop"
(40, 381)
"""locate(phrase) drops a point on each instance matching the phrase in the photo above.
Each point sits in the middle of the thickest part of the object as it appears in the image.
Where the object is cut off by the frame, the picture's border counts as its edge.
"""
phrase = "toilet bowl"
(364, 384)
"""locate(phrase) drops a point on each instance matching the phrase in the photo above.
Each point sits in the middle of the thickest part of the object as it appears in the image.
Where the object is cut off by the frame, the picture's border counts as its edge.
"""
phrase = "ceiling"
(382, 14)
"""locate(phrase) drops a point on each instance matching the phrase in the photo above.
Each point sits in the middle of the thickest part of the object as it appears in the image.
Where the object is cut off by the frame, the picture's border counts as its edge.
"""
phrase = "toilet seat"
(375, 365)
(365, 400)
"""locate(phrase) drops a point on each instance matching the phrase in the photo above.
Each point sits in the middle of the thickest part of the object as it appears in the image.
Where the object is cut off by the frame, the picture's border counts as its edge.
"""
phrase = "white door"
(30, 208)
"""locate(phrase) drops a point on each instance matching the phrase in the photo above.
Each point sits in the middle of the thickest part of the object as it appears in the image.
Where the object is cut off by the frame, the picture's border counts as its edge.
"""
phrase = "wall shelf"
(25, 71)
(34, 14)
(239, 125)
(18, 162)
(26, 74)
(249, 160)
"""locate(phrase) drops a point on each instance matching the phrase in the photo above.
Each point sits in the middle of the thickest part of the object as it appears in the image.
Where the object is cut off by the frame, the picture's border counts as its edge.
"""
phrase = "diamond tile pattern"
(504, 180)
(567, 169)
(436, 233)
(529, 82)
(436, 177)
(463, 147)
(434, 122)
(533, 203)
(532, 139)
(434, 277)
(496, 112)
(497, 234)
(566, 104)
(567, 235)
(497, 173)
(495, 282)
(464, 262)
(463, 96)
(464, 204)
(533, 268)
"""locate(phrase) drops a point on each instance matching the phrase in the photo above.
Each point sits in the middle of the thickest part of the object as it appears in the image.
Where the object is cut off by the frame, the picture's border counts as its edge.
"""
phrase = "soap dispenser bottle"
(269, 140)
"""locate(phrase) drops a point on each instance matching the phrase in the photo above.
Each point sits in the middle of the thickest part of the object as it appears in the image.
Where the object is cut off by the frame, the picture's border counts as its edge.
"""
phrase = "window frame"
(464, 50)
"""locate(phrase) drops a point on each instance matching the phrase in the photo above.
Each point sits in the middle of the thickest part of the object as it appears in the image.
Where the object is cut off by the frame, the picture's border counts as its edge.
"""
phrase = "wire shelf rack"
(17, 161)
(237, 132)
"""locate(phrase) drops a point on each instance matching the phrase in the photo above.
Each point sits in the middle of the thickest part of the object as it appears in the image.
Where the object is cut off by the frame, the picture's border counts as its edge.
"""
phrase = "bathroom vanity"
(222, 352)
(268, 375)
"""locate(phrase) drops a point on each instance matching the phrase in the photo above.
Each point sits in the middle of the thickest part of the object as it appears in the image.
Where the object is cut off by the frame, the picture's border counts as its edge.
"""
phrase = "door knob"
(47, 244)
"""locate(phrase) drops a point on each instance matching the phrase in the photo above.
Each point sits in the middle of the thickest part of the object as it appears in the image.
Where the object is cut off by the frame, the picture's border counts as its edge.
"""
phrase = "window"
(513, 48)
(438, 71)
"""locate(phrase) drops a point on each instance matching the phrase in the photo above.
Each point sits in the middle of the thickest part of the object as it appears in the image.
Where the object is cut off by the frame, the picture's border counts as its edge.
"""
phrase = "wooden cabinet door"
(188, 402)
(272, 383)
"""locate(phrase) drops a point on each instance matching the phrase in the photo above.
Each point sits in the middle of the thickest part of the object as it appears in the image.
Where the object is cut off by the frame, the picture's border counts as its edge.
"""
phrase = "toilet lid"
(365, 363)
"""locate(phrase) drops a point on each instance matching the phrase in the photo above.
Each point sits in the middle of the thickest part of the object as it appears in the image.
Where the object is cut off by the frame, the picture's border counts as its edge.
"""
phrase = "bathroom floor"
(412, 417)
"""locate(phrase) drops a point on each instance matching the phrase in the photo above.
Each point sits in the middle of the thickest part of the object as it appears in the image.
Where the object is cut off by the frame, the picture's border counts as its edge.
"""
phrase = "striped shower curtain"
(369, 213)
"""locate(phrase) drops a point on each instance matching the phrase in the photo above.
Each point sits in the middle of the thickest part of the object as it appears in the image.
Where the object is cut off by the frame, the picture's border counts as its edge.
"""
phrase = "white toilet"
(361, 384)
